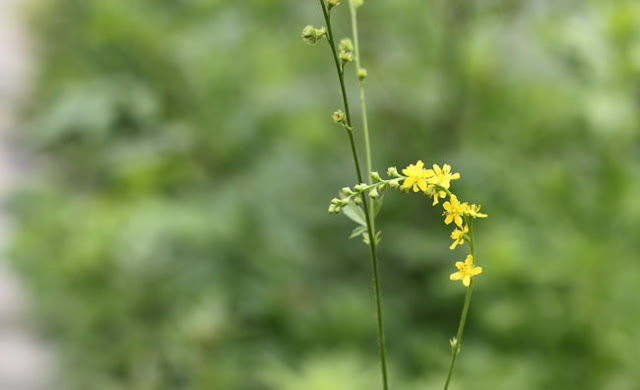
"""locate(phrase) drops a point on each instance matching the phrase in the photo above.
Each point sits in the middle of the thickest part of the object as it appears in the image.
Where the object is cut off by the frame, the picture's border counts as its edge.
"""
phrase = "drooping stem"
(365, 206)
(455, 348)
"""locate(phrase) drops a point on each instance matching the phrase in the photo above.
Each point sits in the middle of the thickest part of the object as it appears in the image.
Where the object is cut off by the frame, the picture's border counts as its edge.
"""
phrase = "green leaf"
(355, 213)
(358, 231)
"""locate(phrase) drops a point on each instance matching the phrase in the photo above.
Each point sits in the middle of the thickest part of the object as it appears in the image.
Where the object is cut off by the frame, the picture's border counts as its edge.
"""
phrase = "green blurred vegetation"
(176, 236)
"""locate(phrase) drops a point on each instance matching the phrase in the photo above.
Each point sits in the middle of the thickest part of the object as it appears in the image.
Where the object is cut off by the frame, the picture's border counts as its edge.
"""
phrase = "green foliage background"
(177, 236)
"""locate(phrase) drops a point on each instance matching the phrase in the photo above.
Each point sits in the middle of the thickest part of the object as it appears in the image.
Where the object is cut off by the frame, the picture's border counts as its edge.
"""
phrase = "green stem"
(370, 230)
(363, 104)
(465, 310)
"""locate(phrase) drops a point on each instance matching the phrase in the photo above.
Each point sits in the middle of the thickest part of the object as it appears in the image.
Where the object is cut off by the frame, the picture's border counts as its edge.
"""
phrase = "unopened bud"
(395, 183)
(346, 56)
(346, 45)
(347, 191)
(362, 73)
(393, 172)
(374, 193)
(333, 3)
(382, 186)
(357, 200)
(311, 35)
(360, 187)
(338, 116)
(376, 176)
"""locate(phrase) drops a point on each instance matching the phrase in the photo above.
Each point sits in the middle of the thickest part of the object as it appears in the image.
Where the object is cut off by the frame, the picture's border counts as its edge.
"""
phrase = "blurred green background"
(177, 234)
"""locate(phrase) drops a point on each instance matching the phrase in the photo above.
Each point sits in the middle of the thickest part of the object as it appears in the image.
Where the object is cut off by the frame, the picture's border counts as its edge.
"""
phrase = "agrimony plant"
(362, 201)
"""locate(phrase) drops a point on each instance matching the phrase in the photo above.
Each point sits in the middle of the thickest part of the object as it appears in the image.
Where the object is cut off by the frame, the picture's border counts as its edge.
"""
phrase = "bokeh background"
(172, 229)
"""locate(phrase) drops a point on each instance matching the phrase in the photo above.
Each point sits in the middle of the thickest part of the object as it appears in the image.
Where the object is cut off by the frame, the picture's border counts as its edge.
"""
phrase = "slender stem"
(456, 348)
(465, 310)
(363, 105)
(370, 229)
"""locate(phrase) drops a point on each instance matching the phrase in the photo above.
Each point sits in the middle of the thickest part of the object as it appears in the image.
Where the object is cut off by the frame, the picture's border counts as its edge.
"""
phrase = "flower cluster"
(434, 182)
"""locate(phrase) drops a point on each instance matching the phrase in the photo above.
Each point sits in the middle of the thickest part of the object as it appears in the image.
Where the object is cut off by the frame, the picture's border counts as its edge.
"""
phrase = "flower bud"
(376, 176)
(311, 35)
(346, 45)
(357, 200)
(333, 3)
(382, 186)
(374, 193)
(338, 116)
(347, 191)
(356, 3)
(395, 183)
(360, 187)
(362, 73)
(393, 172)
(345, 56)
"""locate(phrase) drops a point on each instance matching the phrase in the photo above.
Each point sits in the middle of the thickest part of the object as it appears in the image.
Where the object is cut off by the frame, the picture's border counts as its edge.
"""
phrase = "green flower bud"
(376, 176)
(394, 183)
(333, 3)
(357, 200)
(338, 116)
(360, 187)
(347, 191)
(382, 186)
(346, 45)
(362, 73)
(332, 209)
(393, 172)
(374, 193)
(346, 56)
(311, 35)
(357, 3)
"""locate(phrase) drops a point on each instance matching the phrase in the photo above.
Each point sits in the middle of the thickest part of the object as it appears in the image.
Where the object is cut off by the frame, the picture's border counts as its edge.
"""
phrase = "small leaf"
(358, 231)
(355, 213)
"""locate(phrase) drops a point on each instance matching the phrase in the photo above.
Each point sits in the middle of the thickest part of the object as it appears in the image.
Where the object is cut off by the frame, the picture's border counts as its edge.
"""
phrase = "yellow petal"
(466, 281)
(476, 271)
(455, 276)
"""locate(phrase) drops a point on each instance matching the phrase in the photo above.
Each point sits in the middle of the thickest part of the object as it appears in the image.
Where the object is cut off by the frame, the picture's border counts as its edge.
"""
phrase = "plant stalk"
(465, 309)
(365, 206)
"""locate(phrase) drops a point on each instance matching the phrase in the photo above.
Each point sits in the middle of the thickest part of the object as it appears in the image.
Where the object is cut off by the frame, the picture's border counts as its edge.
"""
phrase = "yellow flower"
(442, 177)
(416, 176)
(465, 271)
(458, 236)
(433, 192)
(473, 210)
(454, 210)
